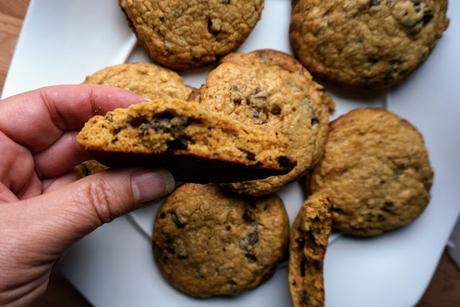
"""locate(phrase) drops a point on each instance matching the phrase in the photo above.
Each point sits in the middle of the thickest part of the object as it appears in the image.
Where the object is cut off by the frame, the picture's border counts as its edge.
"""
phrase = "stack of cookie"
(259, 123)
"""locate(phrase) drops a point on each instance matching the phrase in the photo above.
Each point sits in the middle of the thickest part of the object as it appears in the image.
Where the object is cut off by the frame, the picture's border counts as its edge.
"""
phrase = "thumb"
(66, 214)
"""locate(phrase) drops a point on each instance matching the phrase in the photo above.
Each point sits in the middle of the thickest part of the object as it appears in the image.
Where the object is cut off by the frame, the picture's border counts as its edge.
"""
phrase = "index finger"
(39, 118)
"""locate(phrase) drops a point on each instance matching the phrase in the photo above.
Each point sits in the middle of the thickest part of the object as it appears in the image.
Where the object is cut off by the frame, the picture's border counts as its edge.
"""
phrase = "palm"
(38, 154)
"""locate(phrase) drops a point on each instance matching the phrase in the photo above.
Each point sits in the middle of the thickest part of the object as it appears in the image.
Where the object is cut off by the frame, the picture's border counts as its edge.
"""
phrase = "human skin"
(44, 206)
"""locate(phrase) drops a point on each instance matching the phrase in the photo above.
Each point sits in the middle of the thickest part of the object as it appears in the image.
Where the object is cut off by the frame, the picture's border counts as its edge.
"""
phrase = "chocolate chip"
(182, 257)
(162, 215)
(311, 239)
(304, 298)
(373, 59)
(427, 16)
(237, 101)
(251, 257)
(228, 227)
(213, 27)
(275, 110)
(118, 129)
(249, 154)
(248, 216)
(162, 19)
(114, 140)
(388, 206)
(248, 242)
(314, 121)
(303, 263)
(285, 162)
(177, 219)
(166, 122)
(137, 121)
(300, 240)
(179, 143)
(253, 238)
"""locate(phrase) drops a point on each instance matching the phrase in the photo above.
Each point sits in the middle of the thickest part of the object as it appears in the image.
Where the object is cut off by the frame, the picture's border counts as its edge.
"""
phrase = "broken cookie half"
(307, 247)
(196, 145)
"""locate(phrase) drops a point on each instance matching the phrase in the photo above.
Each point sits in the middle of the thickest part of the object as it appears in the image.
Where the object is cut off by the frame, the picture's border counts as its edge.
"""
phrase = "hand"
(44, 208)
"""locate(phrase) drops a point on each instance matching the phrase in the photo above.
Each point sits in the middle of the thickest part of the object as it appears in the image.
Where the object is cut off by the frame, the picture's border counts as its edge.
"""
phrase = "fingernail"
(149, 185)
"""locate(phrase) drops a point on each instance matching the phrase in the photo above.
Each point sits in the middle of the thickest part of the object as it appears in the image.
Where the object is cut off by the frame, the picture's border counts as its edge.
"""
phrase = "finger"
(61, 157)
(38, 118)
(50, 185)
(65, 215)
(17, 170)
(6, 196)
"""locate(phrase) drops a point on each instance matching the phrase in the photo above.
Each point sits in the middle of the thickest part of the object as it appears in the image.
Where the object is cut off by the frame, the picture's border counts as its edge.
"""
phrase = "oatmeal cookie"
(376, 171)
(271, 90)
(194, 144)
(365, 43)
(190, 34)
(210, 242)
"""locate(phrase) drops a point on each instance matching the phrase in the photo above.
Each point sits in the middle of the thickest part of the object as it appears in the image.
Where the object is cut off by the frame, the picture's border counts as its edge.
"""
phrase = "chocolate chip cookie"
(271, 90)
(210, 242)
(307, 247)
(144, 79)
(366, 43)
(376, 171)
(195, 144)
(189, 34)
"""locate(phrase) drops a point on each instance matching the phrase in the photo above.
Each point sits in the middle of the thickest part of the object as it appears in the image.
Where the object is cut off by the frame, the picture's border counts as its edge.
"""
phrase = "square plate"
(63, 41)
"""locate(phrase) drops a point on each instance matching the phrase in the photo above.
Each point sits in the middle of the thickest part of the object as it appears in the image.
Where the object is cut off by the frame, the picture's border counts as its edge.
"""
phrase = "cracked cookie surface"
(188, 34)
(365, 43)
(210, 242)
(194, 144)
(271, 90)
(308, 242)
(376, 171)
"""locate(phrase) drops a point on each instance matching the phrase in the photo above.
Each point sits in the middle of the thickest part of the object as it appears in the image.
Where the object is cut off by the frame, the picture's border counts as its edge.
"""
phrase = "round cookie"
(271, 89)
(210, 242)
(376, 171)
(365, 43)
(147, 80)
(190, 34)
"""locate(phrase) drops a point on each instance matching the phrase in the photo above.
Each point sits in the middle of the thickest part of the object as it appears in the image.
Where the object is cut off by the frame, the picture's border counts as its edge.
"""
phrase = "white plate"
(62, 41)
